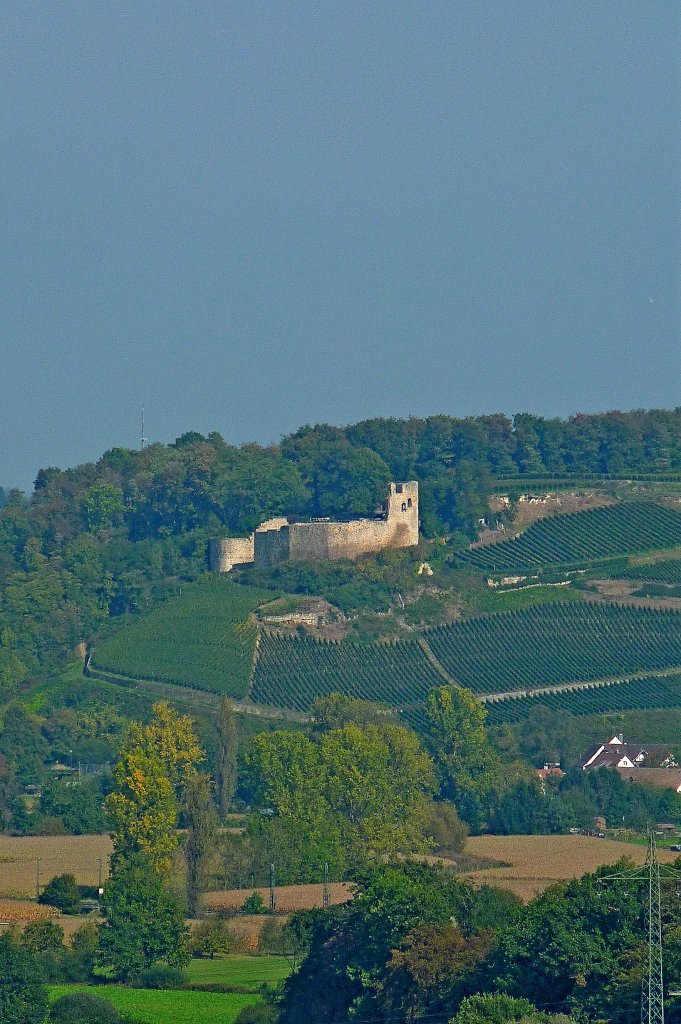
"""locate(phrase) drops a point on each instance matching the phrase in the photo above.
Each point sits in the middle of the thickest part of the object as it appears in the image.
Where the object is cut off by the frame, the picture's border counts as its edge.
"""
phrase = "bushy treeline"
(417, 945)
(69, 736)
(529, 808)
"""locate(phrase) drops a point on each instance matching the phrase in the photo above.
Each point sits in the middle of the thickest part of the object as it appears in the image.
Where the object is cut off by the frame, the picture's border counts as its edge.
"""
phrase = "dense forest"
(113, 537)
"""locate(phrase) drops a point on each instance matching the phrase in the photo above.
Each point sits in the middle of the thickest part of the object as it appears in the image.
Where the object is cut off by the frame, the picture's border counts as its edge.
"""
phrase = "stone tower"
(402, 512)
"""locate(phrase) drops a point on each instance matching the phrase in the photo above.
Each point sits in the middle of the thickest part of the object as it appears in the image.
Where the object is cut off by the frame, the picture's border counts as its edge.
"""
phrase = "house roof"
(618, 754)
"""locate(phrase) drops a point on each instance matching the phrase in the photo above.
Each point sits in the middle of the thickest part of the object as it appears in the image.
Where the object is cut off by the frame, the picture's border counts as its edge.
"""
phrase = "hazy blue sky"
(248, 216)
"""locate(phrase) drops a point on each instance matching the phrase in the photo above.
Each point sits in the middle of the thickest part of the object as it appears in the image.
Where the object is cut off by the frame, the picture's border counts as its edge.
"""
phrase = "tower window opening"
(404, 506)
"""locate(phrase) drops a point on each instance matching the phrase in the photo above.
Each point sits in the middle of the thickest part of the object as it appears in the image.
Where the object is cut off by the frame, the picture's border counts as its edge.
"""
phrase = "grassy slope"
(239, 969)
(201, 639)
(163, 1007)
(488, 601)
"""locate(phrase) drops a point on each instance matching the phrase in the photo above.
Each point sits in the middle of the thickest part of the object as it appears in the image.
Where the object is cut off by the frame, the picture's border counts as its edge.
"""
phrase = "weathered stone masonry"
(279, 540)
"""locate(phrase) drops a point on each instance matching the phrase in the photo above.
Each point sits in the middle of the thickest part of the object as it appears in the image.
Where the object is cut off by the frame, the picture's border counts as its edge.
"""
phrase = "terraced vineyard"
(201, 640)
(559, 643)
(582, 537)
(668, 571)
(293, 671)
(634, 695)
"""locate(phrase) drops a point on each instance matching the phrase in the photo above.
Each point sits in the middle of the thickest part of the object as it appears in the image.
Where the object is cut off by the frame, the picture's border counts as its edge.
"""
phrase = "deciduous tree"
(144, 920)
(23, 1000)
(468, 766)
(202, 833)
(226, 756)
(156, 763)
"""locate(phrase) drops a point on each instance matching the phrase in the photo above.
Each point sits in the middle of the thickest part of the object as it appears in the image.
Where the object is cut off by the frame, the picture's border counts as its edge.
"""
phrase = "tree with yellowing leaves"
(156, 764)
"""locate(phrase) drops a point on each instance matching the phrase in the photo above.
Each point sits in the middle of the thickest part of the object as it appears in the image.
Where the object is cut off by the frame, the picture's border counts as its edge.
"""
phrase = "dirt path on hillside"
(588, 684)
(194, 698)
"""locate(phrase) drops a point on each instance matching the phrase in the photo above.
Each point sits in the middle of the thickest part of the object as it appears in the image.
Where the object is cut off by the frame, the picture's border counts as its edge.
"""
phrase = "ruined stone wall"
(278, 541)
(328, 541)
(272, 524)
(230, 551)
(272, 546)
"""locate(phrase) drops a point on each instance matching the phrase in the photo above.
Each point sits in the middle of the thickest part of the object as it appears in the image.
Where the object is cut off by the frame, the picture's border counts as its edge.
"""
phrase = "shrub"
(42, 937)
(85, 1008)
(162, 976)
(254, 904)
(443, 824)
(49, 825)
(271, 938)
(63, 893)
(257, 1015)
(78, 961)
(211, 938)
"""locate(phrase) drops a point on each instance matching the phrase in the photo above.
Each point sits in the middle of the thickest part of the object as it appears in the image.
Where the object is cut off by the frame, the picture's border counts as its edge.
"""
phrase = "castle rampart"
(224, 554)
(279, 541)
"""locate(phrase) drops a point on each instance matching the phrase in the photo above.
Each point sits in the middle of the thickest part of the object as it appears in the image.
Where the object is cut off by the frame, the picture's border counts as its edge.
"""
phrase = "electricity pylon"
(651, 877)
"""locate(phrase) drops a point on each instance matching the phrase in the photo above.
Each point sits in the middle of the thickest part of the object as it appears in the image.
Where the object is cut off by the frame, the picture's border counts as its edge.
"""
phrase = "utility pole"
(650, 876)
(273, 895)
(325, 898)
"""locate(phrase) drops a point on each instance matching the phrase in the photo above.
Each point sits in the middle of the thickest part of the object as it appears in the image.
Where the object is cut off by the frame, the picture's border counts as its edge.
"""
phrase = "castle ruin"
(280, 540)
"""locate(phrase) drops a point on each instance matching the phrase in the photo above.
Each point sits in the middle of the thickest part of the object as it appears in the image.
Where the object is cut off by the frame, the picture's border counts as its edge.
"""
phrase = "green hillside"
(293, 671)
(200, 639)
(651, 693)
(581, 537)
(558, 643)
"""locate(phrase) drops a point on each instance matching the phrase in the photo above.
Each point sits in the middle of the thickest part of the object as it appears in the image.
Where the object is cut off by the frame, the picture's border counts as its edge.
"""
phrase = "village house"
(651, 763)
(550, 771)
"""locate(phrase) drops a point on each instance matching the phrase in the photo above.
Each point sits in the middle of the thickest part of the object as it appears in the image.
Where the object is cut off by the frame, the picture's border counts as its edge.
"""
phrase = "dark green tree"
(43, 937)
(22, 744)
(202, 835)
(226, 756)
(350, 482)
(63, 893)
(350, 946)
(144, 921)
(23, 1000)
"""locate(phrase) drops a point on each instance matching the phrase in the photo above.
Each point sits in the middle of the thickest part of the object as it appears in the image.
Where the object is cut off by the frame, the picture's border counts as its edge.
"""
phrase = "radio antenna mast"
(143, 438)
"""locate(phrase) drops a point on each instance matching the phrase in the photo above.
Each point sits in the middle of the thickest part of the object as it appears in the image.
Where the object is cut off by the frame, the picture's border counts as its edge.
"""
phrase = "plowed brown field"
(539, 861)
(20, 911)
(289, 897)
(75, 855)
